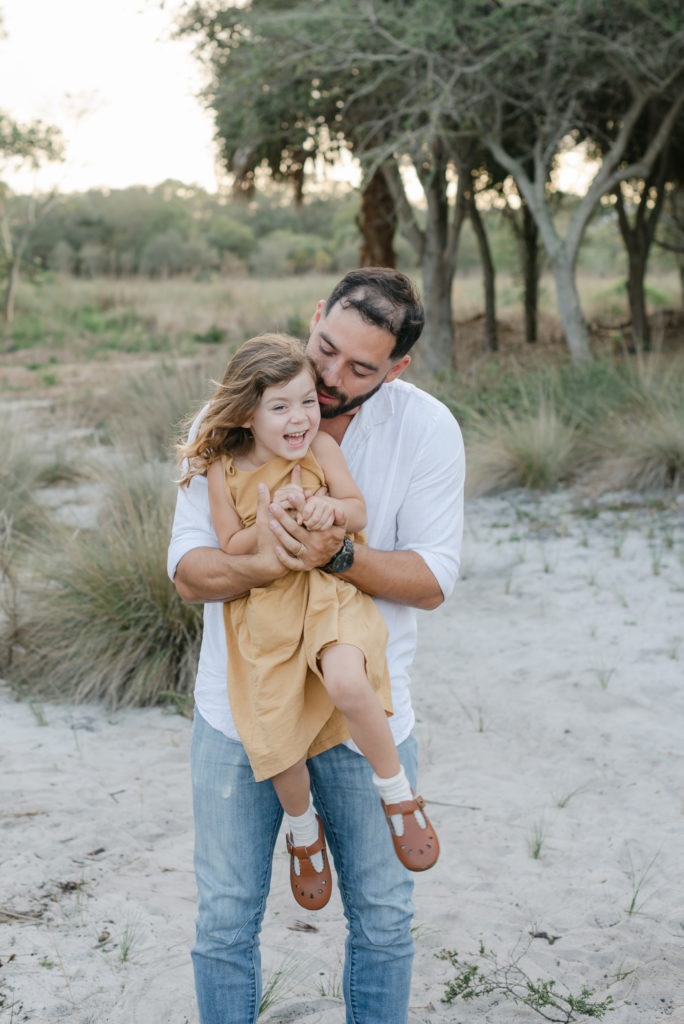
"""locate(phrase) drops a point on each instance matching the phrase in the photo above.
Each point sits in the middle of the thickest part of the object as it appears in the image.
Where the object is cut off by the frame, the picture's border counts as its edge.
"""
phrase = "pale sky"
(122, 91)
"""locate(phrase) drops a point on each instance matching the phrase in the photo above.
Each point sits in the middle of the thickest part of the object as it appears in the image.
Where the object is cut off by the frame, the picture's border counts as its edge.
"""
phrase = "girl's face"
(286, 420)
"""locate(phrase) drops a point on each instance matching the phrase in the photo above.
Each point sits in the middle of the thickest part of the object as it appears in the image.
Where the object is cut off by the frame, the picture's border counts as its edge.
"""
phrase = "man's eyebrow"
(357, 362)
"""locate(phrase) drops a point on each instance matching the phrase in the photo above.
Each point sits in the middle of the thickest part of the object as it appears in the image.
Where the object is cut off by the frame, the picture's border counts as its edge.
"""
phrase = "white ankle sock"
(304, 831)
(393, 791)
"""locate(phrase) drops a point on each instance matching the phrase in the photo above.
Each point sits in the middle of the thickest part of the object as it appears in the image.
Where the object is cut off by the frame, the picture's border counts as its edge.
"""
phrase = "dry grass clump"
(27, 465)
(639, 444)
(535, 449)
(639, 450)
(100, 618)
(148, 413)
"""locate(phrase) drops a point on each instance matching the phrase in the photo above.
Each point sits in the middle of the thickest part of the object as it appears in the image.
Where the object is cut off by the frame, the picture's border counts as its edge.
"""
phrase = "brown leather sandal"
(310, 888)
(417, 848)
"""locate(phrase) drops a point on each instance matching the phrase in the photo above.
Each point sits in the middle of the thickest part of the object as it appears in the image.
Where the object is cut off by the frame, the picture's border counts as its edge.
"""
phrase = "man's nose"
(332, 373)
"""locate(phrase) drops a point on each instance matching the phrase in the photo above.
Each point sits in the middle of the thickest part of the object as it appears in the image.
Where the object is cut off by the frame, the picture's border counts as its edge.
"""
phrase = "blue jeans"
(236, 825)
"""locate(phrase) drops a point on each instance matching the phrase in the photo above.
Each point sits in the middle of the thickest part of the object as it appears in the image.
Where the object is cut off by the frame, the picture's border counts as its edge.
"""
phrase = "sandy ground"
(550, 704)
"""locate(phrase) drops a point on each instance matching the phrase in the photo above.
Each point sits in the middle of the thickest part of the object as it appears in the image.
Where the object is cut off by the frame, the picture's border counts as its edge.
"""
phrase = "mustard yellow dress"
(276, 633)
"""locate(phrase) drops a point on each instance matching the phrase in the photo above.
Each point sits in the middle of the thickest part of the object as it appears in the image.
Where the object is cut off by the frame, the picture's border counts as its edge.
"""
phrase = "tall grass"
(29, 462)
(146, 414)
(101, 619)
(616, 423)
(536, 450)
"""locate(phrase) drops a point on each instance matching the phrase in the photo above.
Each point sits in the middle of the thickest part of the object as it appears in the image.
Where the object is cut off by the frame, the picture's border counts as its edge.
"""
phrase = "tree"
(640, 204)
(547, 65)
(30, 145)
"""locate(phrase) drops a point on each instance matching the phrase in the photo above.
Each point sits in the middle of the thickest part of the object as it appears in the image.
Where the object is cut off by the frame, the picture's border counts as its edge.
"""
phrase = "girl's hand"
(290, 496)
(292, 499)
(318, 513)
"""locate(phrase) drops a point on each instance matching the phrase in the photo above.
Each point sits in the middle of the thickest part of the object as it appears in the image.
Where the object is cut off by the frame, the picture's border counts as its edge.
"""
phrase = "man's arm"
(209, 574)
(399, 576)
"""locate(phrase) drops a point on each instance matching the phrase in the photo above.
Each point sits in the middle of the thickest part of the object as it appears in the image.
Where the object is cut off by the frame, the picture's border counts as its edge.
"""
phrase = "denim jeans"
(236, 825)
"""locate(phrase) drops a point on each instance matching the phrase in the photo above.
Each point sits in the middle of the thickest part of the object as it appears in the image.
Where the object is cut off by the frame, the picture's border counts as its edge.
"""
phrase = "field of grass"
(97, 377)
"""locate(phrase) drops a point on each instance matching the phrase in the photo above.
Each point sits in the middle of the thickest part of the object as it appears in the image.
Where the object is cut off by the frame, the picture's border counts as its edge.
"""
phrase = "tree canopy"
(438, 86)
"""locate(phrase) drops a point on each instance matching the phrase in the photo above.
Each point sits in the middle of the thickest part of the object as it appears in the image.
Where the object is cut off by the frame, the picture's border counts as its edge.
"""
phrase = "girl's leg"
(344, 674)
(310, 876)
(293, 789)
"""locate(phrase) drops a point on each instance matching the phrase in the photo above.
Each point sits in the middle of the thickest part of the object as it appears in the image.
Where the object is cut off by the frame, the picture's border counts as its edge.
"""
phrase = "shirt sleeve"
(430, 519)
(192, 525)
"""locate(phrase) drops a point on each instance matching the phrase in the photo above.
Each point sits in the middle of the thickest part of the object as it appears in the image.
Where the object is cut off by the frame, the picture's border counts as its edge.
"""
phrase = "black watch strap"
(342, 559)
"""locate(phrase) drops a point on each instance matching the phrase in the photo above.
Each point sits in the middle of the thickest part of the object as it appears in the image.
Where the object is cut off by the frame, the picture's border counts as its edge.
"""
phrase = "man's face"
(352, 358)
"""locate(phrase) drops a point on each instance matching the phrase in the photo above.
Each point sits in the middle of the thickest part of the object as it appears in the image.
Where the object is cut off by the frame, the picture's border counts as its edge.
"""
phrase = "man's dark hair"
(386, 298)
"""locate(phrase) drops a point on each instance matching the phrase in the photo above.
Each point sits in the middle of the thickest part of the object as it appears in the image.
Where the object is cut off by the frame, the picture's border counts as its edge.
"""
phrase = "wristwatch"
(343, 560)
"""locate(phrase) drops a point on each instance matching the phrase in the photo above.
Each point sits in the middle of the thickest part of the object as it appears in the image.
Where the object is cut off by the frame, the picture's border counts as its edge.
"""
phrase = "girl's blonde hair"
(260, 363)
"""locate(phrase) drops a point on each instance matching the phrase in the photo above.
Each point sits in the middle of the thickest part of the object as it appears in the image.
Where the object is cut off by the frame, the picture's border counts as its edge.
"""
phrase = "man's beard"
(345, 404)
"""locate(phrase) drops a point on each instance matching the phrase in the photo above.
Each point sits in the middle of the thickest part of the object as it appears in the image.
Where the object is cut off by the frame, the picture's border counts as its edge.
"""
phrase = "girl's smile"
(286, 420)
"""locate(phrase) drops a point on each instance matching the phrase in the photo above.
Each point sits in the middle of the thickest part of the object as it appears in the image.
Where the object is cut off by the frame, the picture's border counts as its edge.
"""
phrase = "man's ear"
(318, 313)
(398, 368)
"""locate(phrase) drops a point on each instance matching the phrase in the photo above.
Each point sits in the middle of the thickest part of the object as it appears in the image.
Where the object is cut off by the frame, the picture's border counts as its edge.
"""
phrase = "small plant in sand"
(486, 976)
(536, 839)
(330, 987)
(100, 618)
(129, 946)
(604, 674)
(638, 878)
(565, 798)
(279, 985)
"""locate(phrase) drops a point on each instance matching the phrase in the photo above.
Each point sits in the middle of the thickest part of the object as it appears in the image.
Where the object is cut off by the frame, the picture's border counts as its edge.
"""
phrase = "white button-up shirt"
(405, 451)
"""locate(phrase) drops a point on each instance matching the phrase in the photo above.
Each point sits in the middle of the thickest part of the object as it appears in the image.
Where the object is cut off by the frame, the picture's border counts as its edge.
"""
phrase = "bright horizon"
(121, 90)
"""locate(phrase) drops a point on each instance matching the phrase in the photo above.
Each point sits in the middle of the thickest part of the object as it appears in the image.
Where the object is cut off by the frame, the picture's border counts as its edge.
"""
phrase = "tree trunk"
(641, 334)
(377, 221)
(638, 237)
(437, 342)
(570, 310)
(530, 260)
(437, 350)
(10, 291)
(491, 342)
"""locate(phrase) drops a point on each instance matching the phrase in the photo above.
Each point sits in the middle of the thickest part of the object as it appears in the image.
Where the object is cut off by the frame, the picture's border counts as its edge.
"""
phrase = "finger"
(296, 499)
(296, 477)
(288, 532)
(263, 501)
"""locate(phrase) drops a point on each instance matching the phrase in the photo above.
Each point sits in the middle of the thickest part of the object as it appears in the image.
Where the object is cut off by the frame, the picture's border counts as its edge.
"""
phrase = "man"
(405, 452)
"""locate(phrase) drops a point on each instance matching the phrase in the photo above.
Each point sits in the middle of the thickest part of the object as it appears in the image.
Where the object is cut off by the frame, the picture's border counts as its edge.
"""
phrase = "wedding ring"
(299, 553)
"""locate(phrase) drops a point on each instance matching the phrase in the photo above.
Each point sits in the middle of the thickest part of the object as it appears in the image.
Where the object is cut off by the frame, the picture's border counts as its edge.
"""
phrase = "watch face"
(344, 558)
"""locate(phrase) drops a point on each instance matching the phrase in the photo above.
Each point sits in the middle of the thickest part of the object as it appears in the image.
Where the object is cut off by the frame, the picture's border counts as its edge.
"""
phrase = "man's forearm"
(400, 576)
(209, 574)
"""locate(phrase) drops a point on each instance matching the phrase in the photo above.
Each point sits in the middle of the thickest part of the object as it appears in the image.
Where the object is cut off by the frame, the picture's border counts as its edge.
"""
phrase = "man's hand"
(301, 549)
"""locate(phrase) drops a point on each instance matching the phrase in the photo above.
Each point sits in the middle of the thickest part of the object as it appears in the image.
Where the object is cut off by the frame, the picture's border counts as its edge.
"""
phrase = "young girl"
(307, 665)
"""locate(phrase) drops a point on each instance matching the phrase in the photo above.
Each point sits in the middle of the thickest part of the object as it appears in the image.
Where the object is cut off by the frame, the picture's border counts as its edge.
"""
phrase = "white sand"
(550, 699)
